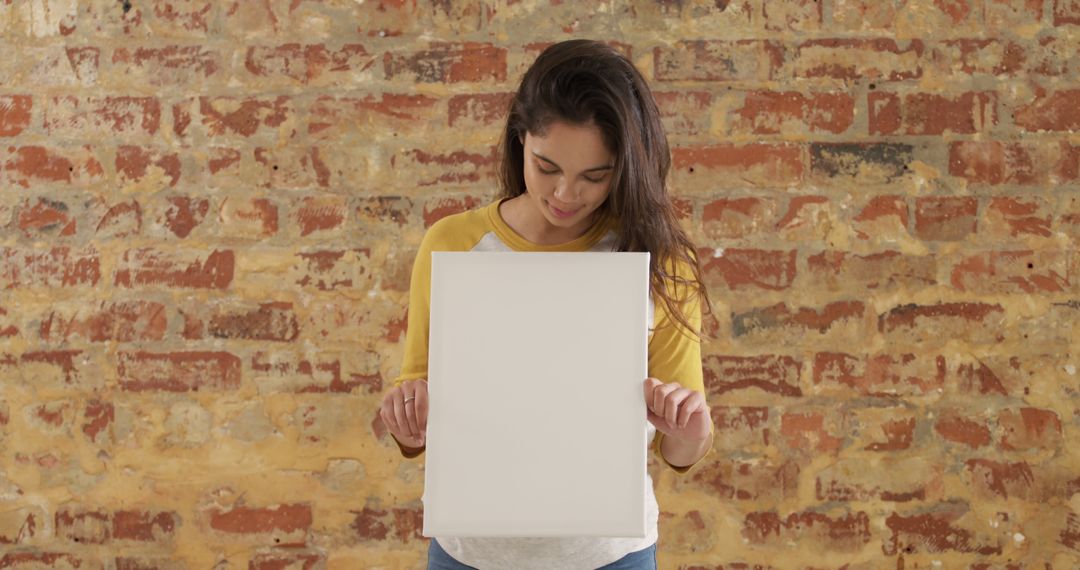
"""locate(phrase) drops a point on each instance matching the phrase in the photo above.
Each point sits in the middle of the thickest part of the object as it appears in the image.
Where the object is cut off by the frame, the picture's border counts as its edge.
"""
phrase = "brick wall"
(209, 210)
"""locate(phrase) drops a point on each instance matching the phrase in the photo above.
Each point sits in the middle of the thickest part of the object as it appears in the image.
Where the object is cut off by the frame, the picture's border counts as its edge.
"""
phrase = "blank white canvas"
(536, 367)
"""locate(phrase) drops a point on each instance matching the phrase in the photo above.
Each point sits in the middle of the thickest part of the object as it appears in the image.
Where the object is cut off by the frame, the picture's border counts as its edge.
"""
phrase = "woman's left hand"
(677, 411)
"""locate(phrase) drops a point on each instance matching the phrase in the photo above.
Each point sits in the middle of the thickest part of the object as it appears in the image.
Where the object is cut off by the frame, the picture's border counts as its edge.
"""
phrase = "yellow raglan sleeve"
(675, 353)
(414, 363)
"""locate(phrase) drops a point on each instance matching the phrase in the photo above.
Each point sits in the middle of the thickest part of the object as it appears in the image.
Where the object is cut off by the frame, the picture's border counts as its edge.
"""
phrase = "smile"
(562, 213)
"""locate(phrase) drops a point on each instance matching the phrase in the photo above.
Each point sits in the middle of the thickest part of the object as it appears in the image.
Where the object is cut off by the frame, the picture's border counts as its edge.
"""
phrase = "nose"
(566, 192)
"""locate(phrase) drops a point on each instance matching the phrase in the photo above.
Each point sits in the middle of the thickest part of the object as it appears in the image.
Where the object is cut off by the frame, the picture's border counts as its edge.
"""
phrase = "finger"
(410, 417)
(421, 402)
(399, 415)
(672, 403)
(650, 384)
(387, 416)
(660, 394)
(693, 404)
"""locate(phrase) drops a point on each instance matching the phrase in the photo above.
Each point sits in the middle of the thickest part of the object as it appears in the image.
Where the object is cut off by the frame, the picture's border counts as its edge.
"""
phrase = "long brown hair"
(587, 82)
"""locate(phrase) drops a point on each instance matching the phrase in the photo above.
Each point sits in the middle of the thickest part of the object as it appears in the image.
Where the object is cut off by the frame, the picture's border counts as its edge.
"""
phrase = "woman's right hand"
(404, 412)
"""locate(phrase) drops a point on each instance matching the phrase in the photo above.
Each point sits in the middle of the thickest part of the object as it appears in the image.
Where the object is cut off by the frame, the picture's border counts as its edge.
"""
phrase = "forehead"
(570, 144)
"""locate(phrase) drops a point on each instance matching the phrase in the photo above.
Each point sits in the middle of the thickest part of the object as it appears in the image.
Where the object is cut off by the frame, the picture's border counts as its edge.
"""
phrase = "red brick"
(308, 63)
(863, 15)
(448, 63)
(899, 434)
(300, 167)
(970, 56)
(400, 524)
(284, 519)
(143, 267)
(931, 114)
(15, 114)
(457, 167)
(762, 269)
(60, 65)
(55, 267)
(122, 219)
(996, 162)
(8, 323)
(332, 269)
(268, 322)
(804, 320)
(880, 375)
(842, 271)
(45, 366)
(40, 166)
(479, 110)
(144, 563)
(982, 379)
(1013, 272)
(325, 213)
(384, 210)
(866, 223)
(33, 560)
(741, 426)
(1029, 428)
(46, 218)
(949, 218)
(1066, 12)
(97, 416)
(1003, 16)
(755, 164)
(999, 478)
(287, 372)
(849, 532)
(882, 59)
(737, 217)
(682, 113)
(134, 163)
(106, 117)
(1054, 111)
(975, 322)
(810, 432)
(253, 218)
(966, 431)
(717, 60)
(286, 559)
(184, 214)
(792, 15)
(178, 371)
(438, 208)
(114, 321)
(169, 65)
(230, 116)
(897, 480)
(224, 159)
(791, 112)
(772, 374)
(759, 479)
(796, 214)
(82, 526)
(331, 117)
(21, 525)
(1013, 216)
(934, 532)
(1069, 536)
(143, 526)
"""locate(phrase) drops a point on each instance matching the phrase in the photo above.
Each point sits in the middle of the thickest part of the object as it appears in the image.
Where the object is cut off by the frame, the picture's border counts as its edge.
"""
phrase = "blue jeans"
(645, 559)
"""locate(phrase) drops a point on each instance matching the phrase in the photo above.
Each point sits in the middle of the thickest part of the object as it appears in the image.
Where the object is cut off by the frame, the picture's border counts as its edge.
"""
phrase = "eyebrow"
(593, 169)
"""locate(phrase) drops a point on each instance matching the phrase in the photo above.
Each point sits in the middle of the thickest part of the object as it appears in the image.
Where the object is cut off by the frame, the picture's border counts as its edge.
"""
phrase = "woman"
(583, 168)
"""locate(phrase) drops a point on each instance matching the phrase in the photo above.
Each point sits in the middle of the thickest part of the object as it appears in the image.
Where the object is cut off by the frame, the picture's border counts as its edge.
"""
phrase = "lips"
(562, 213)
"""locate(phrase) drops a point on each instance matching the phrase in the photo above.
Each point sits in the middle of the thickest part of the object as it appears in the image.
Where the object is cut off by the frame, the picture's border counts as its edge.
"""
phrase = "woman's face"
(568, 174)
